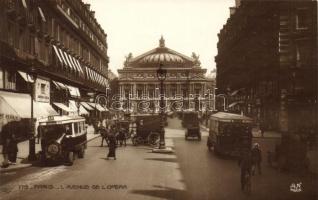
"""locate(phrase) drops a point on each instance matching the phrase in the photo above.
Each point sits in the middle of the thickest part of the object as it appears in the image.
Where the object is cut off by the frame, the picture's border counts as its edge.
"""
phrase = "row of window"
(301, 21)
(78, 48)
(19, 36)
(7, 79)
(25, 41)
(83, 25)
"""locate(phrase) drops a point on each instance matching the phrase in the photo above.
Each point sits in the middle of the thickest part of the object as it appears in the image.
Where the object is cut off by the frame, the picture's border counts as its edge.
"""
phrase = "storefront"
(17, 107)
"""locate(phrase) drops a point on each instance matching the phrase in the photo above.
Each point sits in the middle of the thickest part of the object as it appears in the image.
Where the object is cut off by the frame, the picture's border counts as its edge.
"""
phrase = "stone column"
(135, 89)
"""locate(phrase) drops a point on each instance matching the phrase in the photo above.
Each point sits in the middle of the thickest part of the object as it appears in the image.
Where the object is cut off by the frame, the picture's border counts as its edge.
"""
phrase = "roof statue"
(162, 42)
(196, 59)
(128, 58)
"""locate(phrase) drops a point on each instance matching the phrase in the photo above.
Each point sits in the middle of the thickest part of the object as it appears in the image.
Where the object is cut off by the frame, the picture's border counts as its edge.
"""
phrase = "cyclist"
(245, 162)
(256, 158)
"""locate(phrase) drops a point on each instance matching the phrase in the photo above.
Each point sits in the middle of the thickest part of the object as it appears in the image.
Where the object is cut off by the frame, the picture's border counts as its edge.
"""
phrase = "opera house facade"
(185, 86)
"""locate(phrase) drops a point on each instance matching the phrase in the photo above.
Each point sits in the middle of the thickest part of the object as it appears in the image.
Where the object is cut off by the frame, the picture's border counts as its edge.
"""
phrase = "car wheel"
(70, 158)
(153, 139)
(199, 137)
(216, 150)
(81, 153)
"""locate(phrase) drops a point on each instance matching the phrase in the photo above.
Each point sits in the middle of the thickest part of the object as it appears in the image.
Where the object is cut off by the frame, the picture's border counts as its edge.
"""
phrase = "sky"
(136, 26)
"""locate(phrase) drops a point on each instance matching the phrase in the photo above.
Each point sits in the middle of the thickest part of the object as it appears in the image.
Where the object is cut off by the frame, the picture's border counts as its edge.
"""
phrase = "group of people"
(249, 161)
(112, 134)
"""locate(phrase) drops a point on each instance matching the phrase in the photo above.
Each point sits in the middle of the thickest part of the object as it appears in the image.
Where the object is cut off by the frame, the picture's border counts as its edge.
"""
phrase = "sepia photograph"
(158, 100)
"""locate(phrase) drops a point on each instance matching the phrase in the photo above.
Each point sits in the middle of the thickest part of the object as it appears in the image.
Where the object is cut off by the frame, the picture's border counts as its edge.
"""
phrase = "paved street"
(191, 173)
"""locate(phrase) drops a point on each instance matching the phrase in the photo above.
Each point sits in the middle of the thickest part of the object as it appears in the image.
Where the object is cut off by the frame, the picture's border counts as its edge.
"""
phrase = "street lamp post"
(157, 99)
(206, 107)
(188, 88)
(162, 74)
(32, 155)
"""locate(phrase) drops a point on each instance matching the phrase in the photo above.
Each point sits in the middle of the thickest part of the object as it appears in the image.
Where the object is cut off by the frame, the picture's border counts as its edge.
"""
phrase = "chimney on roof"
(232, 10)
(88, 6)
(237, 3)
(93, 13)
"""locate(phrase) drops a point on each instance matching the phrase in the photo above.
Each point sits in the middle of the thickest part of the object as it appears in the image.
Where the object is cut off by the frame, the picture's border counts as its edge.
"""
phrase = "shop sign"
(42, 90)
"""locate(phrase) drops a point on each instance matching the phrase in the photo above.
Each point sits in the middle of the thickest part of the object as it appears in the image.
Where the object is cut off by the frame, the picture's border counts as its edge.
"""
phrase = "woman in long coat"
(112, 145)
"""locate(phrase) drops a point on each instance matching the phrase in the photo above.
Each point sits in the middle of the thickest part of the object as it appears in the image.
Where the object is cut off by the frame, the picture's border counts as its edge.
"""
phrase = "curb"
(260, 137)
(23, 166)
(88, 140)
(10, 169)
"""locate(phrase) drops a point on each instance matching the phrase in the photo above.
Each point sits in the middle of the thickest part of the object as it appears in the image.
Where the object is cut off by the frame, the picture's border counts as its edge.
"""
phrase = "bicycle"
(247, 183)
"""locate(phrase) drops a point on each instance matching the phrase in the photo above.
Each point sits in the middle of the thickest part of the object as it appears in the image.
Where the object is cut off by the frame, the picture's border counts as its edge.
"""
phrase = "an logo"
(295, 187)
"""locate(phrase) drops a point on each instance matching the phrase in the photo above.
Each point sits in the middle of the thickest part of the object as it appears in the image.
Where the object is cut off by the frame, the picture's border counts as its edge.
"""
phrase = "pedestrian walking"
(112, 144)
(13, 149)
(104, 134)
(5, 133)
(256, 158)
(261, 128)
(245, 162)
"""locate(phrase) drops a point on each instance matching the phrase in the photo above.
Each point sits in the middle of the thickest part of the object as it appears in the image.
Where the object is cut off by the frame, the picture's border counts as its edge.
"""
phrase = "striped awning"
(68, 60)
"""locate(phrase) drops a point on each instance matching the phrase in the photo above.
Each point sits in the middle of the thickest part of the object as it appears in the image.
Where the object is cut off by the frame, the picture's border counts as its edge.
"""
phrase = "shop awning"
(64, 107)
(74, 92)
(17, 104)
(60, 85)
(83, 111)
(86, 106)
(26, 77)
(235, 103)
(98, 107)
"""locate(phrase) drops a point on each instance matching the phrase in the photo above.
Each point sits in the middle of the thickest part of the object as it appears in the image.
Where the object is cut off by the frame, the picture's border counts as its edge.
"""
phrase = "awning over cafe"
(64, 107)
(74, 91)
(26, 77)
(235, 103)
(19, 105)
(60, 85)
(86, 106)
(82, 110)
(97, 106)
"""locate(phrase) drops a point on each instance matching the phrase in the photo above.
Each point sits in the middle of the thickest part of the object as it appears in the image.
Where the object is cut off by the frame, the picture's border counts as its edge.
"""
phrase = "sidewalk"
(22, 158)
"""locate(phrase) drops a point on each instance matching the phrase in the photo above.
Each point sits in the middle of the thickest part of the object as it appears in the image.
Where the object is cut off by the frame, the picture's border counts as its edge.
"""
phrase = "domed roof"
(159, 55)
(163, 57)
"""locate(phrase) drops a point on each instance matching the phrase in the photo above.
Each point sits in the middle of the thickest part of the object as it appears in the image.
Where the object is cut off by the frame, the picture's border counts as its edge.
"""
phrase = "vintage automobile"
(62, 137)
(147, 129)
(230, 134)
(190, 121)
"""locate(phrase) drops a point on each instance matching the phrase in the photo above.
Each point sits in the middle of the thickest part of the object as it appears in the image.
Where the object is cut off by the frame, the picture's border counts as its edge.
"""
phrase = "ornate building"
(267, 62)
(53, 49)
(139, 84)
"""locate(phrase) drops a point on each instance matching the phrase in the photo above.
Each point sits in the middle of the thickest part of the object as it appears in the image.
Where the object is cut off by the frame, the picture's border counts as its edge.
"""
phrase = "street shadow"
(98, 146)
(163, 192)
(143, 147)
(163, 159)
